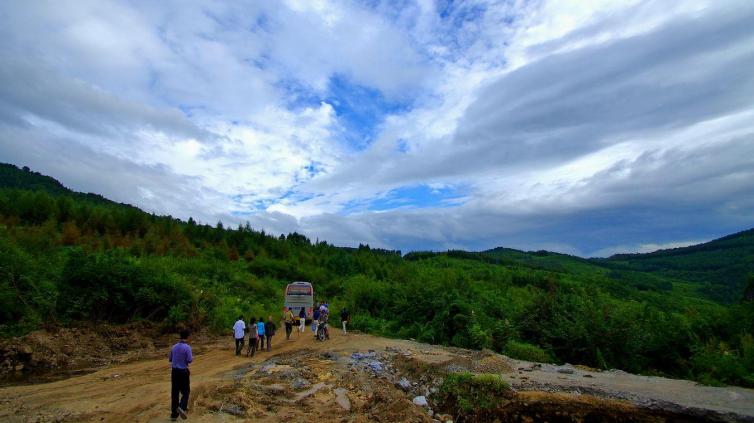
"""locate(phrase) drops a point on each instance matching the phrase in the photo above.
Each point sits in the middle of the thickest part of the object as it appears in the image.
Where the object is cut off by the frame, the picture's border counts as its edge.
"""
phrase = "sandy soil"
(263, 388)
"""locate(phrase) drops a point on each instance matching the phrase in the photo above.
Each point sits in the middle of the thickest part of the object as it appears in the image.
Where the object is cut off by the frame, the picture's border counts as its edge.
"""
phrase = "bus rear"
(300, 295)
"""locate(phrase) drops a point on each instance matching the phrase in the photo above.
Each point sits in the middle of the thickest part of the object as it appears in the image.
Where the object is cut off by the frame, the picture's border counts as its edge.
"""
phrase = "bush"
(717, 364)
(473, 397)
(528, 352)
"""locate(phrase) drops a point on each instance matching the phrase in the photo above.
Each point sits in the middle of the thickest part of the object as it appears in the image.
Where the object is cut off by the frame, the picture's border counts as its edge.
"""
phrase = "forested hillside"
(717, 270)
(68, 258)
(720, 268)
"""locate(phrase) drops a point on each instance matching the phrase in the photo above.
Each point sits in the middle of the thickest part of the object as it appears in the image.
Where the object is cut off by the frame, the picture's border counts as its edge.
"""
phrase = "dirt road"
(139, 391)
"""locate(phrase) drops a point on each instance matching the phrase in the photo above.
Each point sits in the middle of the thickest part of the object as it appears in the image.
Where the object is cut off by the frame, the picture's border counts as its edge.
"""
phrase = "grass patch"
(528, 352)
(473, 397)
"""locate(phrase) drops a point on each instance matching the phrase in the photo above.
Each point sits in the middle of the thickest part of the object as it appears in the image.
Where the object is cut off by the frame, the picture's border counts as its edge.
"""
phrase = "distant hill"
(720, 267)
(13, 177)
(716, 270)
(24, 178)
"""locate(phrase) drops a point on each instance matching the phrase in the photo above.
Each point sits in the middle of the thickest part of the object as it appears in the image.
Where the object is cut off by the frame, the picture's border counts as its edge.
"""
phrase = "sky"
(583, 127)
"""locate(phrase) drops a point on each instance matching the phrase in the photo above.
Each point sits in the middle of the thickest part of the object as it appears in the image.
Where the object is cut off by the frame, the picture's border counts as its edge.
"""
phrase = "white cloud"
(574, 126)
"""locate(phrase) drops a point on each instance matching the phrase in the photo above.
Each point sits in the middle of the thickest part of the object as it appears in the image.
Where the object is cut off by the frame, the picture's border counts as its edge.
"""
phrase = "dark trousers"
(239, 345)
(269, 341)
(288, 330)
(261, 342)
(252, 347)
(179, 381)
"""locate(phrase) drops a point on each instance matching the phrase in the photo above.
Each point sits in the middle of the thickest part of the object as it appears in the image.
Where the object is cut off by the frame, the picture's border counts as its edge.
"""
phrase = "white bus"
(297, 295)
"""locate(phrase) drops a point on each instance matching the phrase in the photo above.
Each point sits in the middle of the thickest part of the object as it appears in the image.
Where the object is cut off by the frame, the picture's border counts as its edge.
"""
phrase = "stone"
(404, 384)
(274, 388)
(341, 398)
(329, 356)
(421, 401)
(565, 371)
(235, 410)
(300, 383)
(266, 369)
(361, 356)
(311, 391)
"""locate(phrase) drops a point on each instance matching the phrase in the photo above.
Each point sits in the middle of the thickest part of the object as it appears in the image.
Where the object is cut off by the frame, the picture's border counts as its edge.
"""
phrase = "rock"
(421, 401)
(341, 398)
(565, 371)
(235, 410)
(430, 412)
(265, 370)
(274, 388)
(313, 390)
(300, 383)
(330, 356)
(404, 384)
(361, 356)
(376, 366)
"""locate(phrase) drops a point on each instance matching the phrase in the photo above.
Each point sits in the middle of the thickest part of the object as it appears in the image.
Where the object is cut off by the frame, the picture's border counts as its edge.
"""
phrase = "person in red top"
(180, 357)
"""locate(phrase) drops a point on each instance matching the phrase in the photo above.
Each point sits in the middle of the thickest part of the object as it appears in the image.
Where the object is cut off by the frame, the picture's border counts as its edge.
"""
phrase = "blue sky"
(584, 127)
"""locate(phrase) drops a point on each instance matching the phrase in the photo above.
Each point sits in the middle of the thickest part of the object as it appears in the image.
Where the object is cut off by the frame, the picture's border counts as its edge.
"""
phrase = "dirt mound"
(308, 385)
(47, 354)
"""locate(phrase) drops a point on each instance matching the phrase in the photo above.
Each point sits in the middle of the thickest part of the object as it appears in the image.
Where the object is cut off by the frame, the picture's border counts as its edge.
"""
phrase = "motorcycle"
(322, 332)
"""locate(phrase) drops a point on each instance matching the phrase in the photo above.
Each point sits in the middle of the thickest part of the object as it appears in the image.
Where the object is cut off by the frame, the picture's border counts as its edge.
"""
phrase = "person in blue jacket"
(260, 332)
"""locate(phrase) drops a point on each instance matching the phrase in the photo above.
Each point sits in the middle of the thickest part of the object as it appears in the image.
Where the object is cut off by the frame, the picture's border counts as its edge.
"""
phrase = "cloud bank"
(588, 129)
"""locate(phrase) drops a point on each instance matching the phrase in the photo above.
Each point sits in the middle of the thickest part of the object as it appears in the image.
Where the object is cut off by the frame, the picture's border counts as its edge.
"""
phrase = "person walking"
(261, 332)
(269, 331)
(180, 357)
(345, 318)
(324, 317)
(315, 320)
(301, 319)
(239, 330)
(253, 338)
(288, 319)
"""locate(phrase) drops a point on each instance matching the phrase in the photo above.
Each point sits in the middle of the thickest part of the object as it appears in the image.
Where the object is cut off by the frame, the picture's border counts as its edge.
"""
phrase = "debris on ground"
(362, 379)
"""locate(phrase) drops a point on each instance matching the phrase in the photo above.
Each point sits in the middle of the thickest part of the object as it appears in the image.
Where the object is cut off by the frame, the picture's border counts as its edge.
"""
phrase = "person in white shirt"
(239, 331)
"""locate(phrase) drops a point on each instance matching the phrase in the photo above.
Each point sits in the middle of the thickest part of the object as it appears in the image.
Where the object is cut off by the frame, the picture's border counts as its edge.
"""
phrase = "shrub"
(473, 397)
(528, 352)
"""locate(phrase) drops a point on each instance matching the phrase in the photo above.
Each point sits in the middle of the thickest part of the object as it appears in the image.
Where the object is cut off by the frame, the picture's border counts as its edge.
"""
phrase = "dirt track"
(139, 391)
(131, 392)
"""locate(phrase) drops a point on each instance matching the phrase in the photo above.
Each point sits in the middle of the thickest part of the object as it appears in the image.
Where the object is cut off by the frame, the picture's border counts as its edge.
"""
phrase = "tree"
(70, 233)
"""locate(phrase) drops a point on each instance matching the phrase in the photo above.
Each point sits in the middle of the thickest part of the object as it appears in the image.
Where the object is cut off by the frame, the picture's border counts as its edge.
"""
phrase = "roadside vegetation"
(68, 259)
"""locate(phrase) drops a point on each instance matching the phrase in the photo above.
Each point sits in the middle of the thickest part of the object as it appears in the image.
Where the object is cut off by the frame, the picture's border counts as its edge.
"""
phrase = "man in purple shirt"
(180, 357)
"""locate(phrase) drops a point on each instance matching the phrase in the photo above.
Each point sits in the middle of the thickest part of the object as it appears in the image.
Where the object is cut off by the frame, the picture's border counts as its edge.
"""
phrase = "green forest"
(68, 258)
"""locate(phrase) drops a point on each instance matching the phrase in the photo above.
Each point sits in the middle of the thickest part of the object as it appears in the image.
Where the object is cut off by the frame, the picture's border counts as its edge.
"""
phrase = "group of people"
(180, 355)
(258, 330)
(321, 316)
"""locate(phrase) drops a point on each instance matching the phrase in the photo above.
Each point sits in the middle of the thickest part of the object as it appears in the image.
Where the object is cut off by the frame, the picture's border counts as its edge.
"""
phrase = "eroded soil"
(360, 378)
